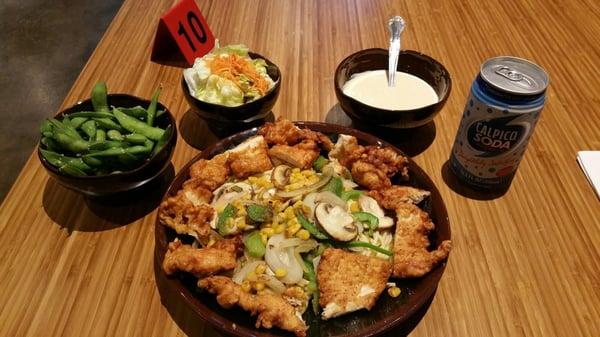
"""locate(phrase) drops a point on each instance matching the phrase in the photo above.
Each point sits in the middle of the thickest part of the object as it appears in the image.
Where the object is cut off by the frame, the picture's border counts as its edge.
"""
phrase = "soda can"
(502, 110)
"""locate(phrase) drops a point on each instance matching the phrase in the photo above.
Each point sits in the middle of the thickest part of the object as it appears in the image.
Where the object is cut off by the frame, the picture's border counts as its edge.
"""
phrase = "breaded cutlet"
(350, 281)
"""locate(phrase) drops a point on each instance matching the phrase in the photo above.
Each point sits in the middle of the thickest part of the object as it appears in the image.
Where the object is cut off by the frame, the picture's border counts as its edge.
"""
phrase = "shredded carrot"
(232, 66)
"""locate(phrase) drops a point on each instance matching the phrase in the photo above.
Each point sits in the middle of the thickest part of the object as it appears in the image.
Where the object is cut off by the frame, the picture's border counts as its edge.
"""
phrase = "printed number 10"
(195, 25)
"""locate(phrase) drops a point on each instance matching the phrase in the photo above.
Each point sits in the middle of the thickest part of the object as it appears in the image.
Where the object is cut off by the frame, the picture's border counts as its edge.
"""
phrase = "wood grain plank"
(524, 264)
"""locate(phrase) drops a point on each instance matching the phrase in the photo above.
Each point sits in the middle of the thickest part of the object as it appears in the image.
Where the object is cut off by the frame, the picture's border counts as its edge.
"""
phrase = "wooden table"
(525, 263)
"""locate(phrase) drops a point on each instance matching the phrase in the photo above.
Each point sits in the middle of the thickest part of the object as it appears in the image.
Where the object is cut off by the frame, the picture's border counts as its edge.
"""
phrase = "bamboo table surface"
(524, 263)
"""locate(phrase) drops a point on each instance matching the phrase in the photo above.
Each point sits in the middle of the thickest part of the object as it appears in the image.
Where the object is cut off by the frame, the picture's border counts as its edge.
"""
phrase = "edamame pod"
(152, 108)
(91, 114)
(109, 124)
(99, 97)
(114, 135)
(100, 135)
(163, 140)
(137, 112)
(134, 125)
(89, 128)
(71, 144)
(136, 138)
(76, 122)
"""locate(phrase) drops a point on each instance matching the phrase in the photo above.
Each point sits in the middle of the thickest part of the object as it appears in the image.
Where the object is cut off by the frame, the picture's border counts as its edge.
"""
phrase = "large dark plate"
(387, 313)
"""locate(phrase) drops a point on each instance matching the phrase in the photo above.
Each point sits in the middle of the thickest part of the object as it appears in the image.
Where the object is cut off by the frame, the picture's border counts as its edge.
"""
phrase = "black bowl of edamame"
(109, 143)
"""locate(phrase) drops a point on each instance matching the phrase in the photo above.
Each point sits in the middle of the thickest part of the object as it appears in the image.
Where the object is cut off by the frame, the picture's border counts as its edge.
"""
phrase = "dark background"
(43, 47)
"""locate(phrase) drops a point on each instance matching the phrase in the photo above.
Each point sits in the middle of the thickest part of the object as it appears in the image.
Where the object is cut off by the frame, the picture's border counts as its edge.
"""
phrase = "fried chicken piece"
(369, 176)
(349, 281)
(411, 255)
(393, 197)
(301, 155)
(195, 192)
(284, 132)
(250, 157)
(179, 213)
(281, 132)
(371, 166)
(344, 145)
(202, 262)
(272, 309)
(317, 137)
(211, 173)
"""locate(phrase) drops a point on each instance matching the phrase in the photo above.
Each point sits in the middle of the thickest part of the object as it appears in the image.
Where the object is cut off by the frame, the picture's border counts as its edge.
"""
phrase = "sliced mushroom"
(281, 176)
(312, 199)
(370, 205)
(336, 221)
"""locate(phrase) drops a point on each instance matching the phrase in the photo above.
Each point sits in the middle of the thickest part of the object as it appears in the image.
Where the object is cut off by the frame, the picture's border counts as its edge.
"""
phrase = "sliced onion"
(273, 283)
(325, 177)
(330, 198)
(277, 257)
(240, 275)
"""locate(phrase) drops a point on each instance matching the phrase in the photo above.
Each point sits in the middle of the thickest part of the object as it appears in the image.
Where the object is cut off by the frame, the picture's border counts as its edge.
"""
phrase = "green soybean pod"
(137, 112)
(163, 140)
(114, 135)
(152, 108)
(109, 124)
(91, 114)
(92, 161)
(99, 97)
(136, 138)
(136, 126)
(89, 128)
(76, 122)
(71, 170)
(46, 126)
(100, 135)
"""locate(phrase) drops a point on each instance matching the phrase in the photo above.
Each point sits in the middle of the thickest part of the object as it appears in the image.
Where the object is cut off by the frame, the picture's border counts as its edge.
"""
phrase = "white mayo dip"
(371, 88)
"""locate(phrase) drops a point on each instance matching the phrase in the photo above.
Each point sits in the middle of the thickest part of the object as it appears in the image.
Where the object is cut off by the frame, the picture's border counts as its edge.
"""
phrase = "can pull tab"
(514, 76)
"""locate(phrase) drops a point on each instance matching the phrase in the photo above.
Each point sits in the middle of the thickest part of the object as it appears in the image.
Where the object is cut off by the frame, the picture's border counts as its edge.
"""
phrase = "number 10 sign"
(182, 31)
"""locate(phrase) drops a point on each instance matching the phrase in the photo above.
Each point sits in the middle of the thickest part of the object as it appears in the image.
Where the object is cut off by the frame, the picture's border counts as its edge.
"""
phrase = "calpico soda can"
(499, 118)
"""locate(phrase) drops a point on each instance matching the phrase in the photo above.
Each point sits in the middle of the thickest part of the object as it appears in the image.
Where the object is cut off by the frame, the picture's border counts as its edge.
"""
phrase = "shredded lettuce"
(212, 88)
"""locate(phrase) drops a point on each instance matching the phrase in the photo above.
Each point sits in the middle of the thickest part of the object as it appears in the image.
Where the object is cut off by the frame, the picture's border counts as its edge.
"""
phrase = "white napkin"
(590, 164)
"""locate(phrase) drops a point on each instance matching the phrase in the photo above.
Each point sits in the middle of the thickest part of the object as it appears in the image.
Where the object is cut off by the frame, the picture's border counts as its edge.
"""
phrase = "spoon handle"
(396, 26)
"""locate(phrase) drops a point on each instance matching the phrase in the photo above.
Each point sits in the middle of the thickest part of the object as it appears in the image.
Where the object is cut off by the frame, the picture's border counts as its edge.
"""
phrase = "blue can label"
(491, 141)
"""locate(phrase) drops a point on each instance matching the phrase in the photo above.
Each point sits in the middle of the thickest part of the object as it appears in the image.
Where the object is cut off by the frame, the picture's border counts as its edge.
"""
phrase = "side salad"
(228, 76)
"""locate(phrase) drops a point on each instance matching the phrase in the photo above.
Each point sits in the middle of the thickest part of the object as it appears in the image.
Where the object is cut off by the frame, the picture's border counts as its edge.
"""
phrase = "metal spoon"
(396, 26)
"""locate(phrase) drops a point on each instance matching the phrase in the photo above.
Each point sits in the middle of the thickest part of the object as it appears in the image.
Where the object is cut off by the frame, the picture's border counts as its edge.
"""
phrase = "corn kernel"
(354, 207)
(303, 234)
(260, 269)
(307, 173)
(295, 170)
(229, 222)
(264, 238)
(240, 222)
(280, 272)
(220, 209)
(259, 286)
(246, 286)
(251, 276)
(267, 231)
(279, 229)
(297, 204)
(293, 229)
(289, 213)
(394, 291)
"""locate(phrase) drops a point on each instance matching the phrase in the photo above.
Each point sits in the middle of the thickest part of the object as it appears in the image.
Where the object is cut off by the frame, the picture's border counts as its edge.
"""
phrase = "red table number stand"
(182, 35)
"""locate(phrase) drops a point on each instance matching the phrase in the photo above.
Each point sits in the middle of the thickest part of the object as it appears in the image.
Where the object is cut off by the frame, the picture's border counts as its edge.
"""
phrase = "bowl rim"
(339, 89)
(138, 169)
(253, 55)
(223, 324)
